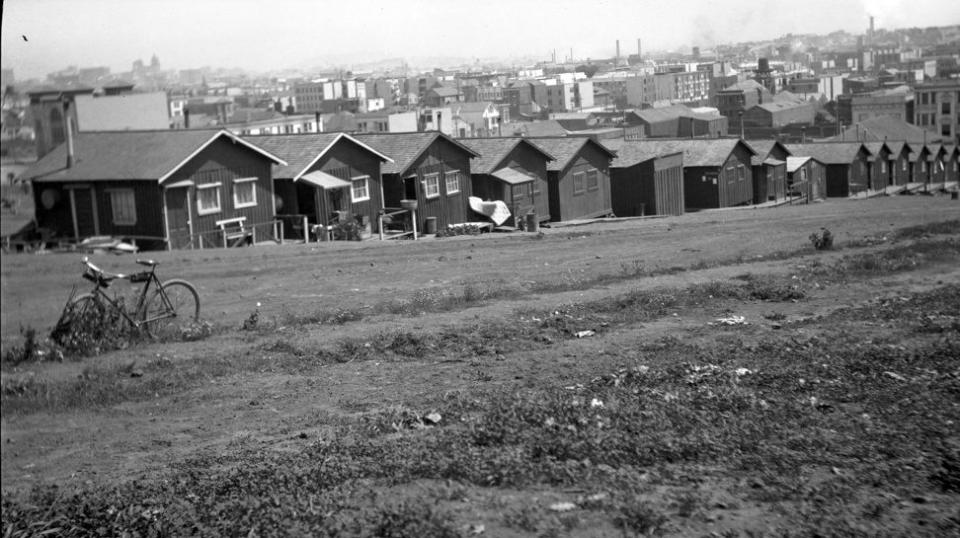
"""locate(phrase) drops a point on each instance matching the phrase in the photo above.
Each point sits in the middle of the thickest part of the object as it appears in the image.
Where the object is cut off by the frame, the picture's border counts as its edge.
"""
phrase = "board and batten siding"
(568, 204)
(222, 162)
(92, 200)
(651, 187)
(346, 161)
(442, 157)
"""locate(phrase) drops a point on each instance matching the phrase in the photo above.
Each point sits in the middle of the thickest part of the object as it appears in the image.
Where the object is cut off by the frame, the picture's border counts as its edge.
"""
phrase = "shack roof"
(829, 152)
(492, 152)
(131, 155)
(405, 148)
(301, 151)
(565, 149)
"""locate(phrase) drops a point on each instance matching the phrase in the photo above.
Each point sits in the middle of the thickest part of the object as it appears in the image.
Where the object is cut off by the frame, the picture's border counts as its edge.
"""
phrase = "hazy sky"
(40, 36)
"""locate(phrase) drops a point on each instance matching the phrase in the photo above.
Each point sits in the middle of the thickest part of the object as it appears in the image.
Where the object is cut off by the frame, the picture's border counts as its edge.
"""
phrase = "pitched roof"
(564, 149)
(130, 155)
(631, 152)
(443, 91)
(764, 147)
(746, 85)
(880, 128)
(829, 152)
(540, 128)
(301, 151)
(696, 151)
(778, 106)
(405, 148)
(667, 113)
(492, 152)
(796, 162)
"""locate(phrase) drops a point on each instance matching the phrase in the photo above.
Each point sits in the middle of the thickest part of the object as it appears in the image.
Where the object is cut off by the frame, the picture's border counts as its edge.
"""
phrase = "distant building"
(736, 99)
(860, 107)
(935, 108)
(86, 109)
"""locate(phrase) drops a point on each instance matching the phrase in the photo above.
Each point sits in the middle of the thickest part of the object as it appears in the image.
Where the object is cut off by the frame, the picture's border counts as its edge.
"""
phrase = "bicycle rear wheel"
(180, 309)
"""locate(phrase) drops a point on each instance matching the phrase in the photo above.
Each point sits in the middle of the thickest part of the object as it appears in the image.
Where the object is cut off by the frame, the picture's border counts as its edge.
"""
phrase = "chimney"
(316, 117)
(741, 124)
(693, 127)
(803, 135)
(69, 125)
(639, 50)
(186, 118)
(616, 61)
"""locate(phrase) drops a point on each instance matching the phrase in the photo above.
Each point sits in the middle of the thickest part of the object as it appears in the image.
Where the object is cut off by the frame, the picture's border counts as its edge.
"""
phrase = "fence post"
(224, 234)
(253, 234)
(306, 230)
(380, 224)
(413, 219)
(278, 230)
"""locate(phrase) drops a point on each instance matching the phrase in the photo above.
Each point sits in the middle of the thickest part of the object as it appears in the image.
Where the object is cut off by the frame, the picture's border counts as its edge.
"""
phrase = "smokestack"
(741, 124)
(316, 117)
(571, 54)
(186, 118)
(616, 60)
(639, 50)
(69, 125)
(803, 135)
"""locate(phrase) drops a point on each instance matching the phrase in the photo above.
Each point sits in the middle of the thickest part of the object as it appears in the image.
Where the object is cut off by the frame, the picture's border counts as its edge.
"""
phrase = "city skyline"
(42, 36)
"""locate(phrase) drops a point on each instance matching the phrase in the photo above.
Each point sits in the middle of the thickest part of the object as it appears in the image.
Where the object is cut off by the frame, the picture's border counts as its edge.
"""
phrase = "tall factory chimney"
(639, 50)
(616, 61)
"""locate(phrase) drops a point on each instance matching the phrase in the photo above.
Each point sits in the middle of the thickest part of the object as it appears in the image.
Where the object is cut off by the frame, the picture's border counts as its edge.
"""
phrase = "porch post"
(73, 213)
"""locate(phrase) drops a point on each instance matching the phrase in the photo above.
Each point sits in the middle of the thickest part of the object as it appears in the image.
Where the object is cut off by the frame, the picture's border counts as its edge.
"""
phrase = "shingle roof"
(828, 152)
(540, 128)
(631, 152)
(667, 113)
(696, 151)
(492, 152)
(405, 148)
(445, 92)
(302, 150)
(564, 149)
(764, 147)
(128, 155)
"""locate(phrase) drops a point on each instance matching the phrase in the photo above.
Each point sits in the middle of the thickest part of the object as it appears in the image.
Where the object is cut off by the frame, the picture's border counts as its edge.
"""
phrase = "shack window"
(578, 183)
(904, 166)
(123, 206)
(593, 180)
(453, 181)
(741, 172)
(431, 185)
(208, 198)
(244, 192)
(360, 189)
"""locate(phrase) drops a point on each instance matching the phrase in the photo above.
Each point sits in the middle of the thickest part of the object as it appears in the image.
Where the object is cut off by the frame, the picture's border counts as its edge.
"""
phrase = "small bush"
(822, 240)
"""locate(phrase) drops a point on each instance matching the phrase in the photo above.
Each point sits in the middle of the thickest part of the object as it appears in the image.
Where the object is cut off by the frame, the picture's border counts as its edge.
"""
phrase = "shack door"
(84, 212)
(179, 225)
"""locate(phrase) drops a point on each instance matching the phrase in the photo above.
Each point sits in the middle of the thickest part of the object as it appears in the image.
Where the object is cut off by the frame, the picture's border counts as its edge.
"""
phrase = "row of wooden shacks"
(210, 188)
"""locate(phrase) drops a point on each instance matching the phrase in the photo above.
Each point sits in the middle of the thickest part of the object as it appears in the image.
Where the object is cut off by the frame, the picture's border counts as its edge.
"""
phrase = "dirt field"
(439, 388)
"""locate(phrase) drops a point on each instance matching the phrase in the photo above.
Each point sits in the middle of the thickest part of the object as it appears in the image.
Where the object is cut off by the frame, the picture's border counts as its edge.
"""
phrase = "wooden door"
(179, 223)
(84, 213)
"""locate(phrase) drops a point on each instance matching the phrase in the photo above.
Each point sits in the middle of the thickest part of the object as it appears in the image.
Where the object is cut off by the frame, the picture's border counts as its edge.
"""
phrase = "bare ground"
(271, 390)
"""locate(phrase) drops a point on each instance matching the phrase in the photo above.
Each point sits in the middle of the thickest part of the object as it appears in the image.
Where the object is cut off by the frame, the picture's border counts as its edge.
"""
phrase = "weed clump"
(822, 240)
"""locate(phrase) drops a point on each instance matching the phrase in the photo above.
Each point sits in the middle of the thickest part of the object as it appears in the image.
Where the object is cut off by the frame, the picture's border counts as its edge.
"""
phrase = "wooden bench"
(235, 232)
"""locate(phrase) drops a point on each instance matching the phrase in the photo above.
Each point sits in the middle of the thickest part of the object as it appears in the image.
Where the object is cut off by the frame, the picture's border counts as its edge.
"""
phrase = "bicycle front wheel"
(173, 307)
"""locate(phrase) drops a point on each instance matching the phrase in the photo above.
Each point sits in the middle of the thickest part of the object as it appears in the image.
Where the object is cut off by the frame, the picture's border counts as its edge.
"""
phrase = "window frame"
(366, 188)
(433, 178)
(132, 221)
(582, 176)
(741, 172)
(595, 185)
(215, 186)
(455, 175)
(245, 181)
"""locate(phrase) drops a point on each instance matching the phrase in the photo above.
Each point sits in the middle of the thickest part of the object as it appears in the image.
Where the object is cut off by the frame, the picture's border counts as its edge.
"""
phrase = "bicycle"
(171, 303)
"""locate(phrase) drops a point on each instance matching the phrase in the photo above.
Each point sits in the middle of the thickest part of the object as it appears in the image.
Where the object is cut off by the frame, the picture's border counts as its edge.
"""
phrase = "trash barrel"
(533, 225)
(955, 195)
(430, 226)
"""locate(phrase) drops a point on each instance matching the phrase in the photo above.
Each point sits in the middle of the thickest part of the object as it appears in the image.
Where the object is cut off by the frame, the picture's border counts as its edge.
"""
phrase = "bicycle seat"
(148, 263)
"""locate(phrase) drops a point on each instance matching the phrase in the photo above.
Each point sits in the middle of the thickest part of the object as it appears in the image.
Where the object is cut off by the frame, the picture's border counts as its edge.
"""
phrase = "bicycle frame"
(96, 276)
